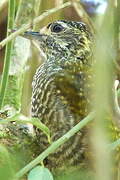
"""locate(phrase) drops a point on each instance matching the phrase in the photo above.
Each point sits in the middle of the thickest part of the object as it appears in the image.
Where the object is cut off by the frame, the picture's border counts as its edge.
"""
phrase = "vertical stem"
(37, 11)
(104, 78)
(11, 13)
(117, 36)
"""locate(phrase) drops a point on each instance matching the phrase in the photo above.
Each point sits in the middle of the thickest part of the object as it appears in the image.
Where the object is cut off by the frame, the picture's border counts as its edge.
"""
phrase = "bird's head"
(64, 39)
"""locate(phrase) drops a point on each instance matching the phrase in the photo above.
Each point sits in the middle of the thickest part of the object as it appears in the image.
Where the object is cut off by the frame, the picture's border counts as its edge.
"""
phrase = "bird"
(61, 88)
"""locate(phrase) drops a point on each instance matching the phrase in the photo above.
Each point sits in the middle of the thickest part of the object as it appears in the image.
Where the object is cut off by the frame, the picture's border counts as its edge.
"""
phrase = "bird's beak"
(30, 34)
(34, 35)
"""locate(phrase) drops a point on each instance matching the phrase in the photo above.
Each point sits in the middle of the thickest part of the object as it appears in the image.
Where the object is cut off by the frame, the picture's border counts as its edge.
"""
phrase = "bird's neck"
(69, 62)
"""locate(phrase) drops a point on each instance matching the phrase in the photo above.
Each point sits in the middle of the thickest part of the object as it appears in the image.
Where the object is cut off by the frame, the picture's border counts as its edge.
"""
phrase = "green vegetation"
(19, 154)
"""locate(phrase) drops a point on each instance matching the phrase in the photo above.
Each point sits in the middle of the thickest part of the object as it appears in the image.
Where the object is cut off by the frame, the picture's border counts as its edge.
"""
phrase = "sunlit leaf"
(6, 166)
(40, 173)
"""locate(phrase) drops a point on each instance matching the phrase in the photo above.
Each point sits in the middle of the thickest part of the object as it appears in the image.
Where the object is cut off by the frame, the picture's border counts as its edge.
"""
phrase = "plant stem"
(83, 15)
(37, 11)
(35, 21)
(55, 145)
(103, 97)
(114, 145)
(11, 13)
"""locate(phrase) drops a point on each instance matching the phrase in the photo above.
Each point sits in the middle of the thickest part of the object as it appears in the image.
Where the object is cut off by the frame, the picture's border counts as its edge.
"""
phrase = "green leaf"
(6, 165)
(40, 173)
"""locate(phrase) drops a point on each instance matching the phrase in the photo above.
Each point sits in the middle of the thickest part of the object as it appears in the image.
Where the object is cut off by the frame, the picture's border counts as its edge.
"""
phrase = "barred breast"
(60, 110)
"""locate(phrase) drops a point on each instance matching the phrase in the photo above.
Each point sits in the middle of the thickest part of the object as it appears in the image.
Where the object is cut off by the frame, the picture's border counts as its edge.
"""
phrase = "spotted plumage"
(61, 88)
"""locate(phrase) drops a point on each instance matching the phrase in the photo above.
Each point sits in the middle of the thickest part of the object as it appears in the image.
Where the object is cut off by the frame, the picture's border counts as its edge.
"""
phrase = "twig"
(82, 14)
(11, 13)
(35, 21)
(116, 37)
(56, 145)
(114, 145)
(116, 25)
(37, 11)
(115, 105)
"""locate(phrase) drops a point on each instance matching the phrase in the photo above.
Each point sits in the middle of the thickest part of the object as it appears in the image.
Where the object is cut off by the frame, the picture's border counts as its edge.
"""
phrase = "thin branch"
(116, 25)
(114, 145)
(82, 14)
(115, 107)
(116, 36)
(55, 145)
(35, 21)
(11, 13)
(37, 11)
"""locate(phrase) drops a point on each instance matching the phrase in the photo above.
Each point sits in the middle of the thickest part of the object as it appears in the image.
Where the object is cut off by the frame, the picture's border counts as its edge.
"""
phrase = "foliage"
(12, 95)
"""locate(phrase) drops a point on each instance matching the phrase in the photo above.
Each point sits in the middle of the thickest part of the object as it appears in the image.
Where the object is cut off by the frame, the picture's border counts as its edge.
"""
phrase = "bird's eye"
(56, 28)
